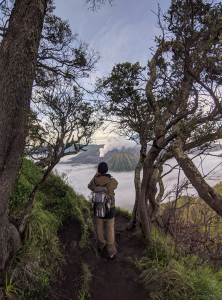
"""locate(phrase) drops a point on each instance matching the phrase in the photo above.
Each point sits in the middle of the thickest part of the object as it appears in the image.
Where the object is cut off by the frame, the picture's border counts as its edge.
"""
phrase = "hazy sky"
(123, 32)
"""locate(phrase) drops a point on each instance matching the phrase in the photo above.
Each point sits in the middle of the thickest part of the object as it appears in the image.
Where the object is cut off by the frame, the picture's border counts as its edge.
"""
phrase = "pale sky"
(123, 32)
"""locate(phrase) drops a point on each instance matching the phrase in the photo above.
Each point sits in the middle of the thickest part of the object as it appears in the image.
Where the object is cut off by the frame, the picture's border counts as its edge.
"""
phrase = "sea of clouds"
(79, 176)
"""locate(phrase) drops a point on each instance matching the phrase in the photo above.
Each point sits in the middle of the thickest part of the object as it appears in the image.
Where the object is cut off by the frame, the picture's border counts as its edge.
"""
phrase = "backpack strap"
(107, 184)
(94, 181)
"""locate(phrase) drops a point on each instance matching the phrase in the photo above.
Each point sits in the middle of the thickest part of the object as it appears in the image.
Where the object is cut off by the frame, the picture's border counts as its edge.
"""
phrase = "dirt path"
(115, 279)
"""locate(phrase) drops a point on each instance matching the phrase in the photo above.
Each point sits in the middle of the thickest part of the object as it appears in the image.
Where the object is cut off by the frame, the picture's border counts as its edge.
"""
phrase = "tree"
(62, 56)
(182, 112)
(69, 122)
(18, 56)
(178, 101)
(36, 135)
(125, 99)
(18, 59)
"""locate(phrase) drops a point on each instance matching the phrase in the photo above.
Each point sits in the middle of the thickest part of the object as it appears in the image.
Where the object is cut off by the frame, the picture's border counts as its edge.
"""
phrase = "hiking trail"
(113, 279)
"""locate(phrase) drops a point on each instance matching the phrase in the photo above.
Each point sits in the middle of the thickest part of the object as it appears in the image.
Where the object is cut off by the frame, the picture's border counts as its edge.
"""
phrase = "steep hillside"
(91, 156)
(121, 162)
(37, 261)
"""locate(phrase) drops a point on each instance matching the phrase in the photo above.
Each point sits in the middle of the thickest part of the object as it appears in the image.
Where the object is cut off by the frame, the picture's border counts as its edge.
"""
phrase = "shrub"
(170, 275)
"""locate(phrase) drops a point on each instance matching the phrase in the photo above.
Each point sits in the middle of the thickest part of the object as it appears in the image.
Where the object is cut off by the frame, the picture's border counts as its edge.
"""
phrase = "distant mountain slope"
(122, 162)
(197, 212)
(72, 148)
(91, 156)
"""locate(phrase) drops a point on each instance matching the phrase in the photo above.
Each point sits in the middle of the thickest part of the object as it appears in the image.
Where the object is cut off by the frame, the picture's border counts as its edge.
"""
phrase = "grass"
(173, 276)
(10, 290)
(171, 269)
(168, 273)
(85, 280)
(38, 260)
(35, 265)
(123, 212)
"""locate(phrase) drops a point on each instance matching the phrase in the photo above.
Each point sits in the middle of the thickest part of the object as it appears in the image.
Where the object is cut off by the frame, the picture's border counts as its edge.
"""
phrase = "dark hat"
(102, 167)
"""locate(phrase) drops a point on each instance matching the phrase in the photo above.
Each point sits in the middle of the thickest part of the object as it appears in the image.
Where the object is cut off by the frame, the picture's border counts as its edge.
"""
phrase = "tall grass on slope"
(65, 203)
(38, 260)
(168, 277)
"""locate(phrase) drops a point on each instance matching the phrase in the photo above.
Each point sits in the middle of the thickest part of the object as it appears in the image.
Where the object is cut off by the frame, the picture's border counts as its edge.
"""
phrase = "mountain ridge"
(92, 155)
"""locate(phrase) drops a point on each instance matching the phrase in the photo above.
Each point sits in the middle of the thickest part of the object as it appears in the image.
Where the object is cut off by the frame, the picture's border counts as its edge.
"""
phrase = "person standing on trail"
(105, 183)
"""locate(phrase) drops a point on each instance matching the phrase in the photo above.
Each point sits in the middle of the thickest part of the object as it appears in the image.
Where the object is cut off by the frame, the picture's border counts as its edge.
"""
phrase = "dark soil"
(113, 279)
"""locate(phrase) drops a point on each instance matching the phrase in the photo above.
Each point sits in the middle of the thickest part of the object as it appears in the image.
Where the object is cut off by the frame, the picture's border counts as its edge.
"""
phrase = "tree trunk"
(161, 186)
(135, 219)
(146, 190)
(151, 192)
(18, 54)
(207, 193)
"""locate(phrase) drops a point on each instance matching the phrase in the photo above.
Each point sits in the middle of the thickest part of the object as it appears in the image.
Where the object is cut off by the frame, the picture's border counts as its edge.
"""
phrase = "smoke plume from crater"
(118, 143)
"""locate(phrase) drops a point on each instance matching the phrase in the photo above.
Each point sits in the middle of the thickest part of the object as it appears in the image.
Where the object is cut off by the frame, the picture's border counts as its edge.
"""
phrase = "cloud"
(123, 32)
(118, 143)
(80, 175)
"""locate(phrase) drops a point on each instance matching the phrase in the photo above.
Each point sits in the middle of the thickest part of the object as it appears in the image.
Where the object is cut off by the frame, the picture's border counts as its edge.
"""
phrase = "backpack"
(101, 200)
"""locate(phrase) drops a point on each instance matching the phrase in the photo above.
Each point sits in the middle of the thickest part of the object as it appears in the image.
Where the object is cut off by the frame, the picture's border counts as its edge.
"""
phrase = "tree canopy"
(179, 102)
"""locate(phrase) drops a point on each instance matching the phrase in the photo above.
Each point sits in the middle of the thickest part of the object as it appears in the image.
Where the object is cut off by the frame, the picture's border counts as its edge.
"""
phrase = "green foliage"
(123, 83)
(39, 259)
(194, 211)
(10, 290)
(29, 175)
(85, 279)
(64, 202)
(55, 197)
(125, 96)
(123, 212)
(42, 225)
(159, 247)
(168, 277)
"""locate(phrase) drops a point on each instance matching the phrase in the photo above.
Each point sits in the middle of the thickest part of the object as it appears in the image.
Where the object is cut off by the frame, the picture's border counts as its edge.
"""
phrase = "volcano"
(122, 162)
(92, 155)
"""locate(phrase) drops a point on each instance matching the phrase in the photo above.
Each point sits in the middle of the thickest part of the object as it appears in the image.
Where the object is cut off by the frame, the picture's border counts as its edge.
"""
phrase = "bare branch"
(96, 4)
